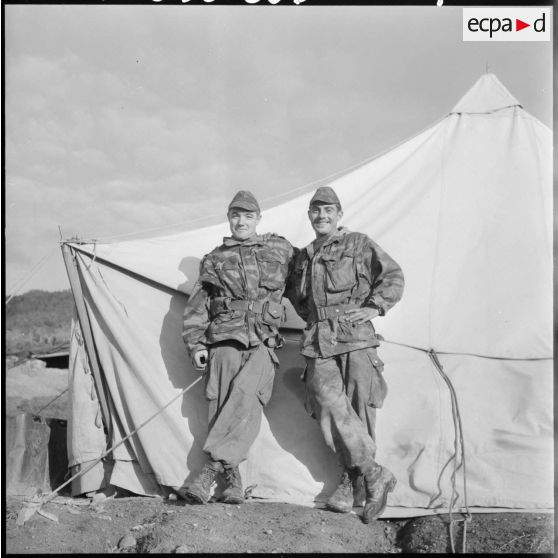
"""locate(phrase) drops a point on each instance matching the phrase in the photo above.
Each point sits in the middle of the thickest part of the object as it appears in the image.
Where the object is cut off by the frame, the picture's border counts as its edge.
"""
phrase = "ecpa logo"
(507, 24)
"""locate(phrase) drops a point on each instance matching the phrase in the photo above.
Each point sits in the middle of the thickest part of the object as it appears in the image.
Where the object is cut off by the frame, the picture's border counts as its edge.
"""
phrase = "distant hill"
(38, 321)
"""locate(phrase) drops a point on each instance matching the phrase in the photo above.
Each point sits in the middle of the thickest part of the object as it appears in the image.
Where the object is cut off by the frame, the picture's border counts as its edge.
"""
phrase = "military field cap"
(245, 200)
(325, 194)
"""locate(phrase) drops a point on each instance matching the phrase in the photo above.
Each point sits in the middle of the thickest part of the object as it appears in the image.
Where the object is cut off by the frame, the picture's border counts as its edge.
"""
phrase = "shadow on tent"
(181, 373)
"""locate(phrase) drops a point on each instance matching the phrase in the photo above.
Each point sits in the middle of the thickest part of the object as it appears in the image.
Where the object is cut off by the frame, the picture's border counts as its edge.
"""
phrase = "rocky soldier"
(339, 283)
(231, 327)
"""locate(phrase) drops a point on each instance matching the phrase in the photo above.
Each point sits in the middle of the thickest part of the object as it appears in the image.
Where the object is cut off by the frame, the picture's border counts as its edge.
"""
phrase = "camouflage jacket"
(348, 269)
(238, 293)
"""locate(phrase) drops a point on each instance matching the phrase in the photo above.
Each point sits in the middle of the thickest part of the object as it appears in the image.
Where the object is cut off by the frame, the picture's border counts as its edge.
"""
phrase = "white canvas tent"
(465, 208)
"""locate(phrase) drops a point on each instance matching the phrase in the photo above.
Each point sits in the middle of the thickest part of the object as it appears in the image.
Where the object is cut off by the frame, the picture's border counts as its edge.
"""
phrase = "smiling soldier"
(339, 283)
(231, 329)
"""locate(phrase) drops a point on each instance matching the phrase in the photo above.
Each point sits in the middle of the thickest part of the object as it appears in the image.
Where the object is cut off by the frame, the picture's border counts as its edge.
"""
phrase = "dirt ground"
(125, 524)
(156, 525)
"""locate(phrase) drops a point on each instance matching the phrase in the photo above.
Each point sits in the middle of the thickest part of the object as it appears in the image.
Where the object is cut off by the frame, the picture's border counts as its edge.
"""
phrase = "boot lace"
(345, 483)
(231, 475)
(206, 477)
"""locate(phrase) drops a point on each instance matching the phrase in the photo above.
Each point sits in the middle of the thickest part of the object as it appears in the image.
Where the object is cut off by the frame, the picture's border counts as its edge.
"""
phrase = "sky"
(146, 119)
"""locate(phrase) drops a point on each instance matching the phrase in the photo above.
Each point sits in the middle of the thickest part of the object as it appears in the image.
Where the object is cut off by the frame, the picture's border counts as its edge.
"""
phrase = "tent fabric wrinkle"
(465, 208)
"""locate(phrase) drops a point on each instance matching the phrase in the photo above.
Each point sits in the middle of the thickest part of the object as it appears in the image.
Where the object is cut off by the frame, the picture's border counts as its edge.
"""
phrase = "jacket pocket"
(308, 406)
(228, 271)
(378, 385)
(351, 331)
(228, 265)
(265, 387)
(272, 268)
(226, 323)
(272, 314)
(211, 379)
(340, 272)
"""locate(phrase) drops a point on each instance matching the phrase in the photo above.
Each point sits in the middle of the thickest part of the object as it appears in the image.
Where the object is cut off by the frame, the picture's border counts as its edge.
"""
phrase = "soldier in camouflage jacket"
(339, 283)
(231, 324)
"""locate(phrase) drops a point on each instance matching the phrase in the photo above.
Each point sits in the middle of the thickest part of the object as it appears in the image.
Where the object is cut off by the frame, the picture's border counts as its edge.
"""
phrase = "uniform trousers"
(342, 393)
(239, 383)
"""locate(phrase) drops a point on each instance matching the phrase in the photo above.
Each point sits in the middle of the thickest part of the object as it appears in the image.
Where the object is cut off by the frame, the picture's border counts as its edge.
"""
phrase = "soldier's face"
(324, 218)
(243, 223)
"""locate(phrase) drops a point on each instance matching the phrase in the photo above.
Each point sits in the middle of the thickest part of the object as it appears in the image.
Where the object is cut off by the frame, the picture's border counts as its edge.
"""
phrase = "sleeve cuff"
(381, 310)
(196, 348)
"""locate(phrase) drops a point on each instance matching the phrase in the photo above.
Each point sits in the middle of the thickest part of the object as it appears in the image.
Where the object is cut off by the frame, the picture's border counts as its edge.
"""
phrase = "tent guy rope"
(47, 497)
(528, 359)
(23, 280)
(52, 401)
(459, 447)
(466, 354)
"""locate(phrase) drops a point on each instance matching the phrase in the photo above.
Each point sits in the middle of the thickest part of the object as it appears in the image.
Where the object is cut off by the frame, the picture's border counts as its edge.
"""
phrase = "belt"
(325, 312)
(224, 304)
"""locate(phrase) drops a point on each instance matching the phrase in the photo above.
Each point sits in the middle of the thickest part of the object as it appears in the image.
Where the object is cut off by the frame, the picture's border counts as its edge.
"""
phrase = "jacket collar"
(334, 237)
(253, 240)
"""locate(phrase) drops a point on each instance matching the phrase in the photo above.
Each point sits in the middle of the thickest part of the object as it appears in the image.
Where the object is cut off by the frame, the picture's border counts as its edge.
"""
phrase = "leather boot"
(198, 491)
(341, 500)
(378, 483)
(233, 493)
(359, 494)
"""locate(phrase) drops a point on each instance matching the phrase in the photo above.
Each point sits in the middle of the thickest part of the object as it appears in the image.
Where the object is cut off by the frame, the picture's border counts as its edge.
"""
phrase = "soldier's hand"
(361, 315)
(200, 359)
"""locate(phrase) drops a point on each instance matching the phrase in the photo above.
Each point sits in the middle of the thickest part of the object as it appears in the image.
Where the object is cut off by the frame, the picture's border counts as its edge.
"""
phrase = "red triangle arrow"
(519, 25)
